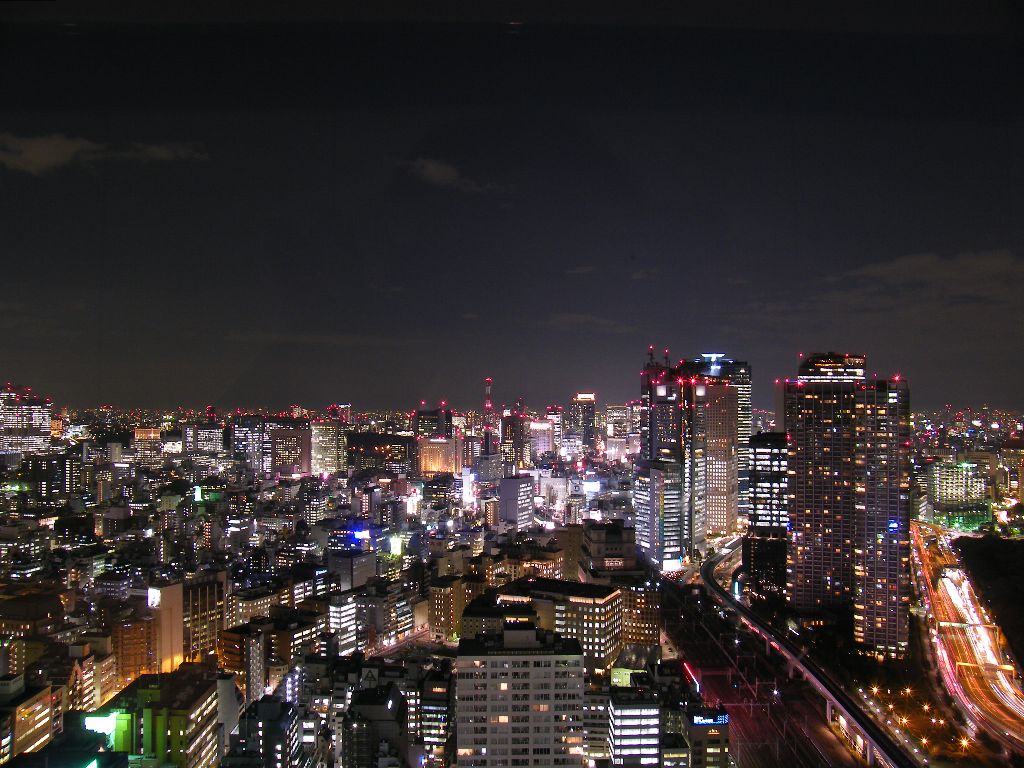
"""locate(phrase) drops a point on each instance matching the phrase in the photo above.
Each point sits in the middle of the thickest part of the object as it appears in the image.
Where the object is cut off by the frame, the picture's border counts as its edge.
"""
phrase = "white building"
(634, 727)
(520, 700)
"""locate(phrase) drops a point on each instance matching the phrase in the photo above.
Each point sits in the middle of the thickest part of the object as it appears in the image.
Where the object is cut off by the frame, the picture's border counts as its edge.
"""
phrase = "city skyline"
(511, 385)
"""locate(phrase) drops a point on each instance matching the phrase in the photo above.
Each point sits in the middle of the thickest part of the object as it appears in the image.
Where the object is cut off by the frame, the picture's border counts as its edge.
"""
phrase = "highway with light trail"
(966, 643)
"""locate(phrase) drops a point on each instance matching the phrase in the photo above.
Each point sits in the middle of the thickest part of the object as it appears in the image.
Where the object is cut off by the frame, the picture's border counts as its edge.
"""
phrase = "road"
(890, 752)
(965, 643)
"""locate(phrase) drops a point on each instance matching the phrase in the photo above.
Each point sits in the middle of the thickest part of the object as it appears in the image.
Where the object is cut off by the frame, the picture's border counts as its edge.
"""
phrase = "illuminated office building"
(659, 514)
(519, 700)
(269, 730)
(541, 439)
(291, 451)
(328, 446)
(581, 419)
(243, 650)
(706, 730)
(670, 474)
(431, 423)
(764, 547)
(516, 502)
(372, 450)
(515, 436)
(171, 718)
(617, 420)
(721, 480)
(738, 374)
(634, 727)
(247, 440)
(24, 420)
(554, 413)
(205, 438)
(590, 613)
(288, 448)
(148, 447)
(439, 455)
(26, 716)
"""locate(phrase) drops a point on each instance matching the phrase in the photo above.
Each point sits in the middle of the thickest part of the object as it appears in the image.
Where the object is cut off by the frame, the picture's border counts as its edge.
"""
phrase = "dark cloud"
(440, 173)
(41, 154)
(324, 339)
(582, 269)
(570, 322)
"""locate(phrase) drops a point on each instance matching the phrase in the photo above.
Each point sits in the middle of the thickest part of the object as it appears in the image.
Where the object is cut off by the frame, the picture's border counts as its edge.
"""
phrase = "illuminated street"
(966, 644)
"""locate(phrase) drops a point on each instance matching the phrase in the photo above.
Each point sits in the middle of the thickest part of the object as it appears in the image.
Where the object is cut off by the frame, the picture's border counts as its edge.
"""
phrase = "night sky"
(259, 215)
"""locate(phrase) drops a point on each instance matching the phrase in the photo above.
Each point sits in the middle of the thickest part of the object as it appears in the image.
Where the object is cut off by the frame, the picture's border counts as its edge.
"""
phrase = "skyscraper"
(820, 411)
(719, 401)
(617, 420)
(436, 422)
(661, 526)
(738, 374)
(581, 418)
(554, 415)
(329, 448)
(881, 562)
(515, 436)
(849, 498)
(541, 441)
(764, 547)
(247, 440)
(672, 439)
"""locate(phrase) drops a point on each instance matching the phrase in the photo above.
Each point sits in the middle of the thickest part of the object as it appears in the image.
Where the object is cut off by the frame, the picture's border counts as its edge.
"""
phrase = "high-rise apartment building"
(519, 700)
(881, 556)
(849, 498)
(820, 413)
